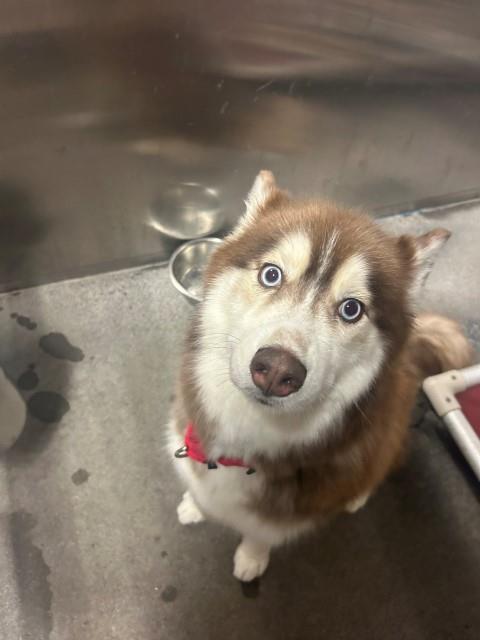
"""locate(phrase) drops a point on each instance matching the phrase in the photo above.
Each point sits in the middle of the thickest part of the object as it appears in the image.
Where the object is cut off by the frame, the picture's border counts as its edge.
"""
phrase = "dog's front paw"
(357, 503)
(250, 561)
(187, 510)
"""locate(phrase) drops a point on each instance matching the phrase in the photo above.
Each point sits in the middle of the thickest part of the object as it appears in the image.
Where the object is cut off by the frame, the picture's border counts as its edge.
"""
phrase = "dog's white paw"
(250, 561)
(358, 503)
(187, 510)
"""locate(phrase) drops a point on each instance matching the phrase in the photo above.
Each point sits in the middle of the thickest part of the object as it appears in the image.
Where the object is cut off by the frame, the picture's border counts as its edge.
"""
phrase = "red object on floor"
(470, 402)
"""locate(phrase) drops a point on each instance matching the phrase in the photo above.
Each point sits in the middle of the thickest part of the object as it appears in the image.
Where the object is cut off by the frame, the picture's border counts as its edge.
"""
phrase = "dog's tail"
(438, 344)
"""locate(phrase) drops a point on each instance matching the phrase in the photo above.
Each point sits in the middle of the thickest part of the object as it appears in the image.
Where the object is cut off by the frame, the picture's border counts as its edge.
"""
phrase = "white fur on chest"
(224, 494)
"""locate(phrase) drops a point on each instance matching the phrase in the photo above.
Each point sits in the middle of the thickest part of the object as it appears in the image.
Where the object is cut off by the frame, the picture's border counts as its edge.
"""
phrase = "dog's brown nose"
(277, 372)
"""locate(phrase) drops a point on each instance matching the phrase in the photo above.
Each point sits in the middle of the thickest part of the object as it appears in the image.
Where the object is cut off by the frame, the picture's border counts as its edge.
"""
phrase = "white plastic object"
(441, 390)
(13, 413)
(466, 439)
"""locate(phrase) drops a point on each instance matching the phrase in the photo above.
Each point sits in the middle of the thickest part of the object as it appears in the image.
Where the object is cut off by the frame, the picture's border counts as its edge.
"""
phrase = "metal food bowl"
(187, 266)
(187, 210)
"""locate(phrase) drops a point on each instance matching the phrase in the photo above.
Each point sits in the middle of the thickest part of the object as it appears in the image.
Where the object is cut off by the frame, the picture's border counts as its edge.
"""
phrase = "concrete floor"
(90, 548)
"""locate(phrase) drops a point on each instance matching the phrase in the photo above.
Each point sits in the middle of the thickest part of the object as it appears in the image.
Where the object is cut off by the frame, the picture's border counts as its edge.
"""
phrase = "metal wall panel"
(106, 104)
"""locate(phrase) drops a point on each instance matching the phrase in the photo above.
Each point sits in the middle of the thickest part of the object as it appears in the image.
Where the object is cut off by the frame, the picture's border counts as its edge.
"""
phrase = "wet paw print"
(47, 406)
(24, 321)
(29, 379)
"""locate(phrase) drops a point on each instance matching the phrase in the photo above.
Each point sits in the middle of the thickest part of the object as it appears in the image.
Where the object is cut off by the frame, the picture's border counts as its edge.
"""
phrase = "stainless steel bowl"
(187, 266)
(187, 210)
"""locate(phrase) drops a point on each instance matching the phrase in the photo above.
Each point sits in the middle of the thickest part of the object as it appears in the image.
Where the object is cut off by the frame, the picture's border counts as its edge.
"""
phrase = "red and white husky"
(302, 364)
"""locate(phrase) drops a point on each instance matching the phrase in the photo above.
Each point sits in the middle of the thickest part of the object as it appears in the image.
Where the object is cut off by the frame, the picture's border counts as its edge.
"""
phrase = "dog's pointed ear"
(421, 252)
(263, 190)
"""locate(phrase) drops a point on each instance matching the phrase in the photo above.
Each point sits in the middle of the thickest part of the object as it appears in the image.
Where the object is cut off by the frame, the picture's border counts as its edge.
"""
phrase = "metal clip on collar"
(182, 452)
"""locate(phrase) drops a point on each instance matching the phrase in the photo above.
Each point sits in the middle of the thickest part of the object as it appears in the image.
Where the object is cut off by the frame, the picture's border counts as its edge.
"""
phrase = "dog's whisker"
(222, 335)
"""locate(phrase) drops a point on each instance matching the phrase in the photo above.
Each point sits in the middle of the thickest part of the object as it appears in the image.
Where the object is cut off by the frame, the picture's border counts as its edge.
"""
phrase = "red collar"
(193, 449)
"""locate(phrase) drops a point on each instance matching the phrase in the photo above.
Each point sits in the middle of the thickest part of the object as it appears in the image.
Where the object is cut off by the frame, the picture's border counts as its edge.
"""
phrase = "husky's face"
(304, 300)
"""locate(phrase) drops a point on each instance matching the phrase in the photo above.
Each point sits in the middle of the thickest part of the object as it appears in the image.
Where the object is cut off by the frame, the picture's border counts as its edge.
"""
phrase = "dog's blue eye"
(351, 310)
(270, 275)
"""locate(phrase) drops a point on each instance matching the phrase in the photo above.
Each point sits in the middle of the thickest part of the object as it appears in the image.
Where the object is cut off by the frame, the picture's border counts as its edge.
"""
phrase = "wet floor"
(89, 543)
